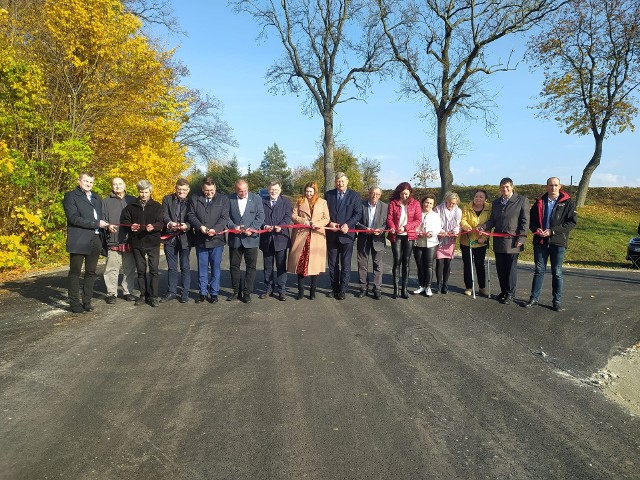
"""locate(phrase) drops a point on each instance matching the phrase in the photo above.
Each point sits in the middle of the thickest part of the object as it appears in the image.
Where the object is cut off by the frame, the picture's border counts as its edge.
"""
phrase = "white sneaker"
(418, 291)
(428, 292)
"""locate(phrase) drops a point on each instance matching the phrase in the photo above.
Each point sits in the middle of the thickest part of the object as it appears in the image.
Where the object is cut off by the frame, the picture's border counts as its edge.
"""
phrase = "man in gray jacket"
(372, 243)
(119, 253)
(510, 219)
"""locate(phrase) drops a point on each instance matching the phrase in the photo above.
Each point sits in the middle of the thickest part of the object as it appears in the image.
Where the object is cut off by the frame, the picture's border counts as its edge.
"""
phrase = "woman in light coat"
(474, 213)
(308, 254)
(450, 215)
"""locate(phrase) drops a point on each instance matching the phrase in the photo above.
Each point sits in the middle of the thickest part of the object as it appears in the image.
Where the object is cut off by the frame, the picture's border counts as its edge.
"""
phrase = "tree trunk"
(327, 150)
(583, 186)
(444, 156)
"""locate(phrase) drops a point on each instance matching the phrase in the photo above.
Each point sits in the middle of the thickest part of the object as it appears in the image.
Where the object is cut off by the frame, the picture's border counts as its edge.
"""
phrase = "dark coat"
(215, 216)
(379, 222)
(563, 219)
(83, 218)
(349, 211)
(279, 214)
(512, 218)
(253, 218)
(112, 207)
(170, 214)
(151, 213)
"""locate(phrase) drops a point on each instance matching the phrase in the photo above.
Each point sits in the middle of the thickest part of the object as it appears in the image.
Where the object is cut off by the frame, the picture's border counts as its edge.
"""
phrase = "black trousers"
(507, 270)
(401, 250)
(250, 260)
(147, 257)
(479, 254)
(275, 281)
(424, 261)
(90, 262)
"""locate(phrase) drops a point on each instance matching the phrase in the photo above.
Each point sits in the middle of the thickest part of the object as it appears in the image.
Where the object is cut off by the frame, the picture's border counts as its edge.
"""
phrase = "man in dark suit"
(509, 215)
(178, 247)
(208, 215)
(274, 244)
(83, 209)
(372, 243)
(245, 214)
(344, 213)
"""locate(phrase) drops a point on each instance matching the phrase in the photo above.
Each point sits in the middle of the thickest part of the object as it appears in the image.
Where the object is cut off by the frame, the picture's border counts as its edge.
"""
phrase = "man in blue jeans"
(552, 217)
(208, 215)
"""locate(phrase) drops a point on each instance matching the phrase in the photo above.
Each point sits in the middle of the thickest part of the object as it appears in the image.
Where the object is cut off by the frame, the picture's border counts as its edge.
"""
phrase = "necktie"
(340, 195)
(178, 211)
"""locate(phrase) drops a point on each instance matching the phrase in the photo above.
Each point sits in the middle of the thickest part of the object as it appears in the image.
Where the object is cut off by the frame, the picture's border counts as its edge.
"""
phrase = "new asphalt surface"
(446, 387)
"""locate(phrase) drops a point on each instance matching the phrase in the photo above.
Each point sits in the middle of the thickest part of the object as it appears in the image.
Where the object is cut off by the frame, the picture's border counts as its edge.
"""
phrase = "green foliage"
(343, 161)
(274, 167)
(224, 174)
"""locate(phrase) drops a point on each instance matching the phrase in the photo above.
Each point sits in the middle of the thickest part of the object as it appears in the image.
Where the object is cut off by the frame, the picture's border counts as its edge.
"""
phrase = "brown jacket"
(318, 254)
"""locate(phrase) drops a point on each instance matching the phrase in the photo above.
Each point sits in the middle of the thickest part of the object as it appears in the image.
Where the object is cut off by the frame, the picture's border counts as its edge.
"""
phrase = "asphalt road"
(441, 388)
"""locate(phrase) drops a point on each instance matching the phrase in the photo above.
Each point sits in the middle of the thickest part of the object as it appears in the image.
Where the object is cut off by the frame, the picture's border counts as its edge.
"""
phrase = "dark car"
(633, 251)
(264, 193)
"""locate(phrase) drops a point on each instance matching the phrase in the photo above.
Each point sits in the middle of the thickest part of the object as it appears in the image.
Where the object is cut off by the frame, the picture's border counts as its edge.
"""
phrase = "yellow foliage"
(13, 253)
(7, 164)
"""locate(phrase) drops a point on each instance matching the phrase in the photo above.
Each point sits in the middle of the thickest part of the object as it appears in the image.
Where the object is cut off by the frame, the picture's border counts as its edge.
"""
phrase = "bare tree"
(590, 55)
(370, 169)
(154, 12)
(204, 133)
(441, 46)
(330, 49)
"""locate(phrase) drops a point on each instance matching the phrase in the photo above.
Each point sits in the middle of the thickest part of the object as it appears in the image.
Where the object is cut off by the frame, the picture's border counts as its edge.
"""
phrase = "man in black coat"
(509, 216)
(274, 244)
(553, 216)
(208, 214)
(144, 219)
(345, 209)
(83, 210)
(178, 247)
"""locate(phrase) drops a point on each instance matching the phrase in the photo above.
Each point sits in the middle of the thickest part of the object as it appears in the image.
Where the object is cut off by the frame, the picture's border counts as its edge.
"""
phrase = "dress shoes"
(531, 303)
(77, 309)
(140, 301)
(266, 294)
(111, 299)
(183, 299)
(361, 293)
(555, 307)
(168, 297)
(246, 298)
(282, 297)
(154, 302)
(233, 297)
(88, 307)
(213, 299)
(376, 295)
(340, 296)
(130, 298)
(201, 298)
(506, 300)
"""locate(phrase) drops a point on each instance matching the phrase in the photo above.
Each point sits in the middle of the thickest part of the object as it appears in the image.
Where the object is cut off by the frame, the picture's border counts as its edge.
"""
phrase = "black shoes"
(444, 289)
(201, 298)
(555, 307)
(233, 297)
(361, 293)
(531, 303)
(88, 307)
(282, 297)
(376, 295)
(111, 299)
(340, 296)
(506, 300)
(213, 299)
(246, 298)
(168, 297)
(129, 298)
(154, 302)
(184, 298)
(140, 301)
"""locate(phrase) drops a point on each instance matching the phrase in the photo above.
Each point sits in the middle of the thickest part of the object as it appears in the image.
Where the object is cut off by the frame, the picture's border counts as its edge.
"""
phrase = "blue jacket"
(349, 211)
(253, 218)
(279, 214)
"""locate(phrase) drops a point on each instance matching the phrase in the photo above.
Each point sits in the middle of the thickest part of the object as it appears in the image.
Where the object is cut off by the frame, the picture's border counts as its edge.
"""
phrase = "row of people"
(248, 223)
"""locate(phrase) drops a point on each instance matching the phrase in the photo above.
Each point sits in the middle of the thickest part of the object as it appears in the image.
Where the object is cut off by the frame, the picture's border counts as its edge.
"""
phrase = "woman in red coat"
(403, 218)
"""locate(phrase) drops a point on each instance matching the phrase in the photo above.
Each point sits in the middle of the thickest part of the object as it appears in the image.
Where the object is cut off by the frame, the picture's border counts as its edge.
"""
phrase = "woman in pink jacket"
(403, 218)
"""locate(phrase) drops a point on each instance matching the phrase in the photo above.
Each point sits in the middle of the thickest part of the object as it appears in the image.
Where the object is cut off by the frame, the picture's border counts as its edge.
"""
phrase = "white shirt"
(242, 205)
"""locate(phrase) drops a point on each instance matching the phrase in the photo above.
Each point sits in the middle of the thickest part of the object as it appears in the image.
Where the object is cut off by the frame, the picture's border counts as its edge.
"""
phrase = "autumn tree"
(425, 173)
(589, 53)
(440, 46)
(370, 171)
(330, 49)
(344, 161)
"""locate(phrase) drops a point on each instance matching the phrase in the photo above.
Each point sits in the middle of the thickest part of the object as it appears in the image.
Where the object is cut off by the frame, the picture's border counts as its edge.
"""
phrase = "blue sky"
(224, 59)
